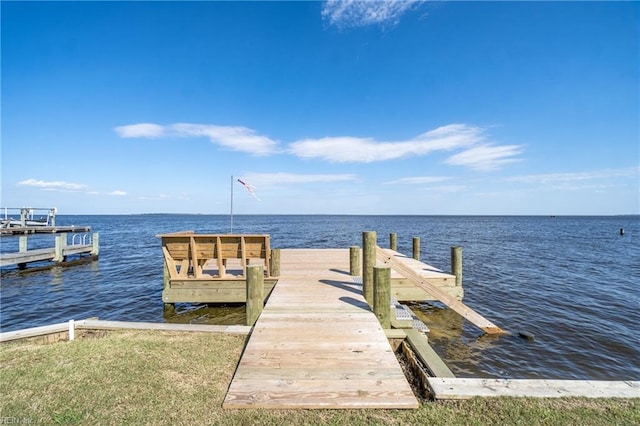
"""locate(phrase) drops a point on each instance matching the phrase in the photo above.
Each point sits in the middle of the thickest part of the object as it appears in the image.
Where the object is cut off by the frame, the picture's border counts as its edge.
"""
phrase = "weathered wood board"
(39, 255)
(459, 388)
(317, 344)
(402, 264)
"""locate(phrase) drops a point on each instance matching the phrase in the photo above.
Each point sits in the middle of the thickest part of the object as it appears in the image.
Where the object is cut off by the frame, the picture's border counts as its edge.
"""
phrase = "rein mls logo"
(16, 421)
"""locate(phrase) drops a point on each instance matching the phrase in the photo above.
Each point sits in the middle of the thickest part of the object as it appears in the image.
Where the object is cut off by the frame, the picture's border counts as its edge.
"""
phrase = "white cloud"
(418, 180)
(483, 155)
(165, 197)
(366, 150)
(563, 178)
(270, 179)
(63, 186)
(486, 157)
(53, 185)
(359, 13)
(140, 130)
(236, 138)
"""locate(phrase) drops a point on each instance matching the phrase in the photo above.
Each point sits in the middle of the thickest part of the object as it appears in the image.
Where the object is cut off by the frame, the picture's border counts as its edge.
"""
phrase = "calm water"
(571, 281)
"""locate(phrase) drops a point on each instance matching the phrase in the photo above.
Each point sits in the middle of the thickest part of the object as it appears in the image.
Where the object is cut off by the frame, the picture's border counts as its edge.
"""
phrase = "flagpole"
(231, 232)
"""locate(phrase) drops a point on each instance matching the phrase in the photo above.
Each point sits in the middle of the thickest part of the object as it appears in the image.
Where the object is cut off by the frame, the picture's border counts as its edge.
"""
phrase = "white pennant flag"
(250, 188)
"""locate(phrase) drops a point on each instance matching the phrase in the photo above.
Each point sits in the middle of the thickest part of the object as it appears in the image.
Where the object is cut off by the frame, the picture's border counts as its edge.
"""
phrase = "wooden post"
(369, 242)
(95, 245)
(275, 262)
(166, 277)
(382, 295)
(23, 217)
(393, 241)
(169, 310)
(22, 244)
(61, 243)
(416, 248)
(354, 261)
(255, 286)
(456, 264)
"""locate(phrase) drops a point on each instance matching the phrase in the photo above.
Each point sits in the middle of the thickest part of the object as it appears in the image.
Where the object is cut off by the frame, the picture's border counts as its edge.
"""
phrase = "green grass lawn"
(174, 378)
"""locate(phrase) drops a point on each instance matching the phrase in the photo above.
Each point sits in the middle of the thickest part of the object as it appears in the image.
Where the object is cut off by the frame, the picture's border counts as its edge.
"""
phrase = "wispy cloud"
(164, 197)
(566, 178)
(53, 185)
(140, 130)
(359, 13)
(445, 138)
(480, 153)
(270, 179)
(486, 157)
(418, 180)
(236, 138)
(62, 186)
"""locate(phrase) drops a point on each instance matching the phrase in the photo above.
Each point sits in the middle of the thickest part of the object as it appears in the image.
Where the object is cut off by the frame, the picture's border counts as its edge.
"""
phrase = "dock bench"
(211, 268)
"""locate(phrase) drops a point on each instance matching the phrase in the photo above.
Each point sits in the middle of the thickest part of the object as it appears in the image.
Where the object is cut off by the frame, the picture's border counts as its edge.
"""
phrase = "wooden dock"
(57, 254)
(317, 344)
(24, 230)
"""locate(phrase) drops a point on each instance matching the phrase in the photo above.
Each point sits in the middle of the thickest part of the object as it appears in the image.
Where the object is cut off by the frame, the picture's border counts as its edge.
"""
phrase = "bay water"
(571, 282)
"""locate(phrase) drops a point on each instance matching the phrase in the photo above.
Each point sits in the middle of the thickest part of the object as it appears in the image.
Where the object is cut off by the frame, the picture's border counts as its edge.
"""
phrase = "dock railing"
(188, 255)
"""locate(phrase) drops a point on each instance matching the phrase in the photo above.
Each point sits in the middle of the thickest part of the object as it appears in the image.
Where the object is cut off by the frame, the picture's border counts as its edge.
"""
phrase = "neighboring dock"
(59, 254)
(24, 230)
(66, 251)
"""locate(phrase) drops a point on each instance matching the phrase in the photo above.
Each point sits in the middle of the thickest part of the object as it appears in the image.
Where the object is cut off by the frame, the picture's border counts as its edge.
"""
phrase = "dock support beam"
(354, 261)
(255, 299)
(369, 242)
(275, 263)
(456, 264)
(416, 248)
(382, 295)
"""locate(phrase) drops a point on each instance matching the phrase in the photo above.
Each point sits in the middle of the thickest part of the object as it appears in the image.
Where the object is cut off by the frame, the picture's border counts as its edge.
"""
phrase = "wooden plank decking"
(317, 344)
(460, 388)
(45, 254)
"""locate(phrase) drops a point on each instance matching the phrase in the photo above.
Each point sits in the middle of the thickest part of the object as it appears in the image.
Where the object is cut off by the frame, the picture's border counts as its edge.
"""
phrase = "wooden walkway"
(317, 344)
(45, 254)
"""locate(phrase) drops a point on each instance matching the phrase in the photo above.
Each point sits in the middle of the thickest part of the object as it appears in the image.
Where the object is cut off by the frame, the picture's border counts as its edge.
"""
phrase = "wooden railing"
(187, 254)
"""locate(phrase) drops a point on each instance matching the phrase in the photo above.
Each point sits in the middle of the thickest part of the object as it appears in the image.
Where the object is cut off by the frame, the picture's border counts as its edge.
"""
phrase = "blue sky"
(381, 107)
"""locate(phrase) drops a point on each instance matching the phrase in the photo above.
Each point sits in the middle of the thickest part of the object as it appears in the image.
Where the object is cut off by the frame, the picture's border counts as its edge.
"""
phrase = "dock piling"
(61, 242)
(369, 242)
(393, 241)
(22, 244)
(275, 262)
(456, 264)
(354, 261)
(416, 248)
(95, 245)
(382, 295)
(255, 300)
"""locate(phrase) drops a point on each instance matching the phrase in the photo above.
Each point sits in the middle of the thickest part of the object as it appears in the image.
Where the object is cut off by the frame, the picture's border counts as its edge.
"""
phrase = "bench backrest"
(189, 252)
